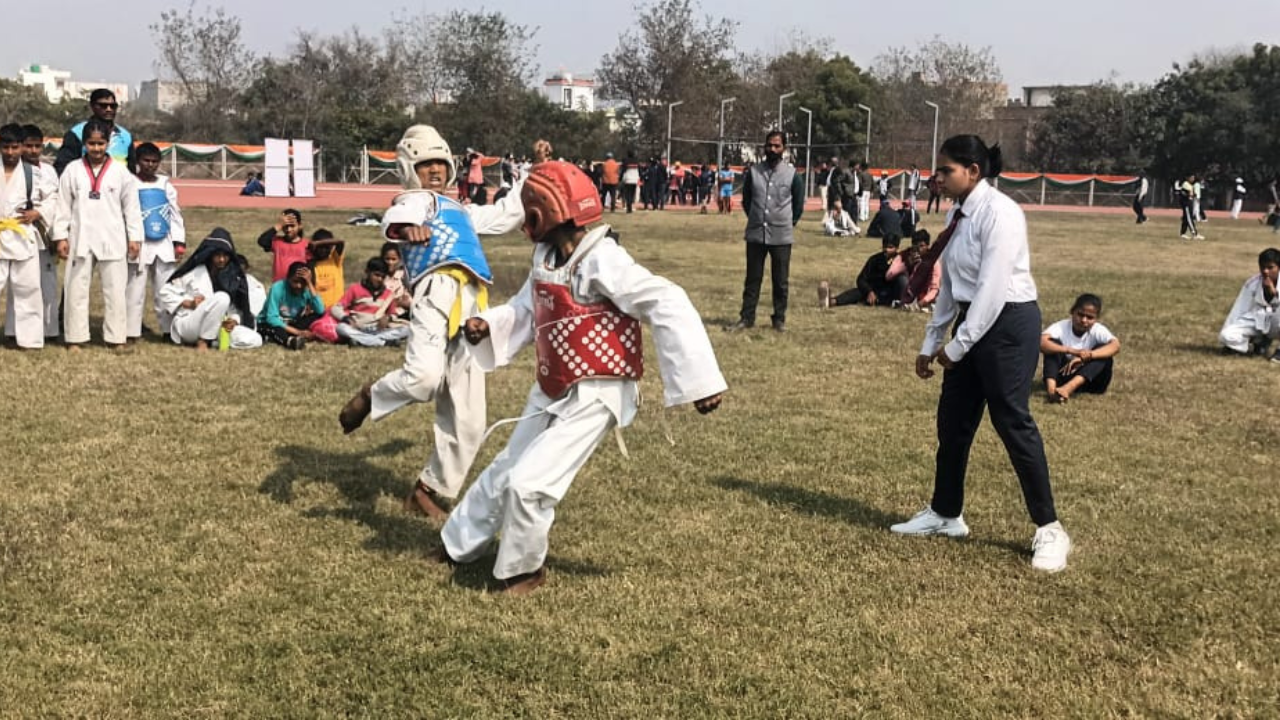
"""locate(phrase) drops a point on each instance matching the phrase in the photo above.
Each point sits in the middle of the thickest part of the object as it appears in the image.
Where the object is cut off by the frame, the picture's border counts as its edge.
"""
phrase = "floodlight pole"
(808, 142)
(866, 160)
(670, 107)
(720, 145)
(933, 159)
(782, 97)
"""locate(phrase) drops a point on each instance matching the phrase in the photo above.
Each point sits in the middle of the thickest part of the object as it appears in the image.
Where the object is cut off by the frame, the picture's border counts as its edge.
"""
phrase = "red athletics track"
(349, 196)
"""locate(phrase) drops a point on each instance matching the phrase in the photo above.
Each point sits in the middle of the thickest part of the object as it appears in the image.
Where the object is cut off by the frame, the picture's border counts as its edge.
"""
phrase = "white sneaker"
(1185, 237)
(928, 522)
(1051, 547)
(1198, 236)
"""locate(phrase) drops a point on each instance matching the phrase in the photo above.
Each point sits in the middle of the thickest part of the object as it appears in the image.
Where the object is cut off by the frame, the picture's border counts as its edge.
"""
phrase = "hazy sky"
(1036, 43)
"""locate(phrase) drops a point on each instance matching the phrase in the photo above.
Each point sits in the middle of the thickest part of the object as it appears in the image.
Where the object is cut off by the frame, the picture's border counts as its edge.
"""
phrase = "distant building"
(57, 85)
(162, 95)
(1041, 96)
(563, 90)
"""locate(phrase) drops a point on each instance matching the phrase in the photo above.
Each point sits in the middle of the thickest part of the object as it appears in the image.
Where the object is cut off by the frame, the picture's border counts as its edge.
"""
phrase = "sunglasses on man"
(107, 106)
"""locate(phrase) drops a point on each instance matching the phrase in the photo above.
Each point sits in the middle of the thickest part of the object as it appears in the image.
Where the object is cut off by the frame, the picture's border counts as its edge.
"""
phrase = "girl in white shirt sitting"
(1078, 351)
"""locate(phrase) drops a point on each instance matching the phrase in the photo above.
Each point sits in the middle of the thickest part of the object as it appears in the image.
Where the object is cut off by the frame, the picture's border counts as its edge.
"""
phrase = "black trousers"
(935, 200)
(886, 294)
(628, 195)
(1188, 220)
(779, 270)
(1096, 373)
(279, 335)
(609, 196)
(998, 372)
(1139, 210)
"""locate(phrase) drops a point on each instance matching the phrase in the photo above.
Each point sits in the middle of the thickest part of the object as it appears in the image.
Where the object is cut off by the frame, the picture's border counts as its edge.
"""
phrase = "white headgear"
(419, 144)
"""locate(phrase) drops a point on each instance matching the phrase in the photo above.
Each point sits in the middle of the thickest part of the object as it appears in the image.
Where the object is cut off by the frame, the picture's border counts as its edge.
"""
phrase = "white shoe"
(928, 522)
(824, 295)
(1185, 237)
(1197, 236)
(1050, 547)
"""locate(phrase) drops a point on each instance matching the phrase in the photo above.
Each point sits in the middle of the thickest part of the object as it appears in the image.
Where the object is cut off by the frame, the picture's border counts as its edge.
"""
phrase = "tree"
(1102, 128)
(964, 82)
(207, 57)
(674, 55)
(30, 106)
(345, 92)
(1218, 119)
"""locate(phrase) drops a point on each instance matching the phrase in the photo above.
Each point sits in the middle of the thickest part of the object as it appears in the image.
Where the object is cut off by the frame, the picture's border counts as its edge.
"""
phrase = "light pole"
(720, 145)
(782, 97)
(808, 141)
(933, 159)
(670, 107)
(866, 160)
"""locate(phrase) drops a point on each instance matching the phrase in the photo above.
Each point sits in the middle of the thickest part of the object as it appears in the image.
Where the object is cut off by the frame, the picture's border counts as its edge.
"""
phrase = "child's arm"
(264, 240)
(499, 333)
(1049, 346)
(686, 360)
(177, 226)
(132, 209)
(1102, 352)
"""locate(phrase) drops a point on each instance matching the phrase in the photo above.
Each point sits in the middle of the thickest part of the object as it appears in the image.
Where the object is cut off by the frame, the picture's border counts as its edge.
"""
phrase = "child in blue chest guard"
(448, 277)
(164, 241)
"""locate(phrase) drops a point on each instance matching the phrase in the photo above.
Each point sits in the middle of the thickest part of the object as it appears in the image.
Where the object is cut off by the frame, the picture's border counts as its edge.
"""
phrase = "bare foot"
(356, 410)
(73, 348)
(202, 346)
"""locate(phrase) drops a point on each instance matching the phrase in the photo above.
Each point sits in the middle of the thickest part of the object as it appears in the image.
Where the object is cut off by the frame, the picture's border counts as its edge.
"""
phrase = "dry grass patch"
(185, 535)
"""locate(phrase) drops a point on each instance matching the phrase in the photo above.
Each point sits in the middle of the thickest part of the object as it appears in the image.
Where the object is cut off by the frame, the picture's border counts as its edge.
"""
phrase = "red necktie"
(923, 274)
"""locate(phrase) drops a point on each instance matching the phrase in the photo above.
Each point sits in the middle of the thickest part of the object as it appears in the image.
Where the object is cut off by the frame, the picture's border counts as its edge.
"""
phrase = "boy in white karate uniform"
(98, 223)
(448, 276)
(165, 240)
(581, 307)
(1255, 318)
(19, 241)
(44, 200)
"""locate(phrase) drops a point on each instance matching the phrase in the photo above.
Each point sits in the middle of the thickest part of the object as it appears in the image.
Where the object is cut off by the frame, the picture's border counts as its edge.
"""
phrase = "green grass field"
(192, 536)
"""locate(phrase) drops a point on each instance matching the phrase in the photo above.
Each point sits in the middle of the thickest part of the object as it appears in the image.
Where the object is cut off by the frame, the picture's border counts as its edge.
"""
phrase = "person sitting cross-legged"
(366, 313)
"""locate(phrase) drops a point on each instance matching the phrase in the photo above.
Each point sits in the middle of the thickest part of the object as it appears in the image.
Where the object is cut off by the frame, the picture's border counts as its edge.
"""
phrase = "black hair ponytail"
(970, 150)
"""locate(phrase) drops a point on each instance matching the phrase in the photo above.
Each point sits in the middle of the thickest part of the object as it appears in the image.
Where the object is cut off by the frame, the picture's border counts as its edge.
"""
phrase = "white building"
(57, 85)
(162, 95)
(569, 93)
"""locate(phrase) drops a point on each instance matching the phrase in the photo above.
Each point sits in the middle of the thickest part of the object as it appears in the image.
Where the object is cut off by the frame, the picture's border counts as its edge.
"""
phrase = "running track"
(340, 196)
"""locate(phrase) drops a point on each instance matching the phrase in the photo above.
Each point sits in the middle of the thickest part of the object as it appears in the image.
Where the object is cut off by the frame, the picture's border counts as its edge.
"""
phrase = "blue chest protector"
(454, 242)
(156, 213)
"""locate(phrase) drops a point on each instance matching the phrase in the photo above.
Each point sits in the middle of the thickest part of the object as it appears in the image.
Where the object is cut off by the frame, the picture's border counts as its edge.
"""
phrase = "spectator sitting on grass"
(1078, 352)
(291, 309)
(1254, 320)
(874, 286)
(366, 312)
(837, 223)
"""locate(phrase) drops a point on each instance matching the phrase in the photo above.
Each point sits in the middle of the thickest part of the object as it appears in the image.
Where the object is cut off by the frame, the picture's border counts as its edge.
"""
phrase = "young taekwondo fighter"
(581, 308)
(449, 278)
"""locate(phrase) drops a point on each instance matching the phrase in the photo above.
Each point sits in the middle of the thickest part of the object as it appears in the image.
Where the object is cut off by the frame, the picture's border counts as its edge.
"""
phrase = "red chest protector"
(577, 341)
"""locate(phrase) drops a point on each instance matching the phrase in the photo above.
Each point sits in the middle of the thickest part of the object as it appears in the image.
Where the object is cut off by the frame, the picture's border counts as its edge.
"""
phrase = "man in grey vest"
(773, 198)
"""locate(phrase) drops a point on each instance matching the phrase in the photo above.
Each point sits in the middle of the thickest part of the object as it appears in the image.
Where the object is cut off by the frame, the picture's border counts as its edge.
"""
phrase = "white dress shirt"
(986, 265)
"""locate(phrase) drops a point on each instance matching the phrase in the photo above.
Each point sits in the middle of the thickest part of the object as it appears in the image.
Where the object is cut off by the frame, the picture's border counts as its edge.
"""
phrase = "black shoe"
(296, 342)
(739, 326)
(780, 326)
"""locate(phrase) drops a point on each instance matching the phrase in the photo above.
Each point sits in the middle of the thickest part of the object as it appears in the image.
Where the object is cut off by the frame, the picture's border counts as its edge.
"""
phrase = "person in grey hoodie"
(773, 198)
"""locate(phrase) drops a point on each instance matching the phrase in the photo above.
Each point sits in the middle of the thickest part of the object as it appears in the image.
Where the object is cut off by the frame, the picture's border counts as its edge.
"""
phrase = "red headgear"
(556, 193)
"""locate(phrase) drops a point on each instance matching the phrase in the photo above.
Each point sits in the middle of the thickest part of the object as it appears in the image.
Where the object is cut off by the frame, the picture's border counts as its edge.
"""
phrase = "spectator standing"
(610, 178)
(1140, 197)
(103, 106)
(773, 198)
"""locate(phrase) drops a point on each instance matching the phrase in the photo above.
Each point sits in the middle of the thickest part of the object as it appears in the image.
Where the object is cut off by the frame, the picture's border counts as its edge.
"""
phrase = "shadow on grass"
(361, 484)
(854, 512)
(1203, 349)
